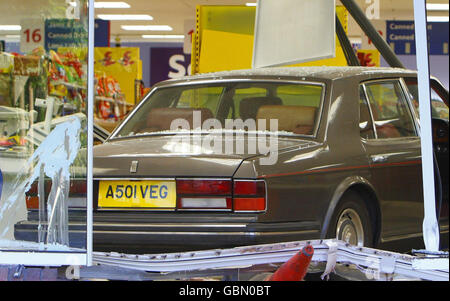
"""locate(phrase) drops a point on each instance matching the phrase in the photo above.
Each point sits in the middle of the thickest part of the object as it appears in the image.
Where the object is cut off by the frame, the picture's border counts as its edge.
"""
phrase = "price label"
(32, 35)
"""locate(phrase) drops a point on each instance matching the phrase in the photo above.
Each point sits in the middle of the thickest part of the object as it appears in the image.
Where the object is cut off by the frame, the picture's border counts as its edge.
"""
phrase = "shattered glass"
(43, 94)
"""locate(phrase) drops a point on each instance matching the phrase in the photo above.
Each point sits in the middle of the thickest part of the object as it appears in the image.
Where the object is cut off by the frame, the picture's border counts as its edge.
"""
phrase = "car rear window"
(248, 106)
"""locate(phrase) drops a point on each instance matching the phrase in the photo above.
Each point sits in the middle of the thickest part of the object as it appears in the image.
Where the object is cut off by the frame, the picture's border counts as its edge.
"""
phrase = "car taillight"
(205, 187)
(204, 194)
(78, 188)
(31, 197)
(249, 196)
(239, 195)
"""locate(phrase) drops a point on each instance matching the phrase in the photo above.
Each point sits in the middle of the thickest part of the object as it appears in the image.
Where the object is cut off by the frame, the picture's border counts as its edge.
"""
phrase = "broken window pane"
(43, 139)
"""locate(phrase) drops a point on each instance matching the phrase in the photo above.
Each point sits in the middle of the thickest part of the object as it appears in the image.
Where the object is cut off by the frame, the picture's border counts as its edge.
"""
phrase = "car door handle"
(379, 158)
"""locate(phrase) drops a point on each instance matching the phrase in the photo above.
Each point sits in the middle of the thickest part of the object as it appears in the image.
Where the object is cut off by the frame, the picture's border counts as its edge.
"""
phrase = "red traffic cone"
(295, 268)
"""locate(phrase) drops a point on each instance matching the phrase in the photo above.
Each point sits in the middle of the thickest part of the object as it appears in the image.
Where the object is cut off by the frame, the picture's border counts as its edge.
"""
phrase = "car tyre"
(351, 221)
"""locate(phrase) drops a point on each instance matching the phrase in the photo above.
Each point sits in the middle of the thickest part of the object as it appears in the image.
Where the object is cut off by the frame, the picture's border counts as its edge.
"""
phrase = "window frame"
(83, 257)
(406, 97)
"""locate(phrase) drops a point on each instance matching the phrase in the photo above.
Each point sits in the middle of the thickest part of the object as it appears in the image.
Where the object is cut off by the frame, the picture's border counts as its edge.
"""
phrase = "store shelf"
(68, 85)
(109, 99)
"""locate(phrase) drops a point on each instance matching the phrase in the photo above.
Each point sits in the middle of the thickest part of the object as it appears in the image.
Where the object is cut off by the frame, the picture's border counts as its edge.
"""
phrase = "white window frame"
(52, 258)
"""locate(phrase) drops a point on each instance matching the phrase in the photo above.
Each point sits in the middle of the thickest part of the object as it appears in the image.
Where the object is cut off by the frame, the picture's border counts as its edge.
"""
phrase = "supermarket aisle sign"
(168, 63)
(401, 36)
(102, 33)
(55, 33)
(64, 33)
(32, 34)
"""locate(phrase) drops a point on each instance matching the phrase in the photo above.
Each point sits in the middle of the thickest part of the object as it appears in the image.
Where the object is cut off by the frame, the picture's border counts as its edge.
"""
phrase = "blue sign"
(168, 63)
(65, 33)
(400, 35)
(102, 33)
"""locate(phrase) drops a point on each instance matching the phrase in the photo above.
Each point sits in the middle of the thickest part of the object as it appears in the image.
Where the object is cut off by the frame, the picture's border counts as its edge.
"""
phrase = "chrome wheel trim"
(349, 228)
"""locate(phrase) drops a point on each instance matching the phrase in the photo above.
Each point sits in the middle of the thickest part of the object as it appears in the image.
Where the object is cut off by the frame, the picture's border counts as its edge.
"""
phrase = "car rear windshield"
(283, 108)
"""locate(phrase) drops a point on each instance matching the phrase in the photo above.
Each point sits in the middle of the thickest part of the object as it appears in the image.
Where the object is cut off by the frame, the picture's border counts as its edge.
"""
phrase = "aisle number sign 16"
(31, 35)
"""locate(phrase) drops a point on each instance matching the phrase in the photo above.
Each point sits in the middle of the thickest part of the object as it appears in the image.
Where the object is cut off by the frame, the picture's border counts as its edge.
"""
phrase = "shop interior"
(137, 44)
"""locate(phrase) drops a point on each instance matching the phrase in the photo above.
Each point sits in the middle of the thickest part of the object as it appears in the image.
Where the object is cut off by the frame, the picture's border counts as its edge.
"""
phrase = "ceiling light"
(160, 36)
(437, 6)
(107, 4)
(250, 4)
(125, 17)
(147, 27)
(437, 19)
(10, 27)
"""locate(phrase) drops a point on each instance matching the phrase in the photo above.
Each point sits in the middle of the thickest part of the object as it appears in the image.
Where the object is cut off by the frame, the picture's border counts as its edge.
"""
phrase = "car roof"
(320, 73)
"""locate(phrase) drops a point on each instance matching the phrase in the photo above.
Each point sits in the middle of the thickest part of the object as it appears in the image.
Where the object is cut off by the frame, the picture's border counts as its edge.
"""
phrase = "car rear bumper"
(156, 233)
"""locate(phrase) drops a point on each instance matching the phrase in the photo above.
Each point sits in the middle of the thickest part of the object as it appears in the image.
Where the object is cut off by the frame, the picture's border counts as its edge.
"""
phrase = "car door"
(440, 124)
(392, 145)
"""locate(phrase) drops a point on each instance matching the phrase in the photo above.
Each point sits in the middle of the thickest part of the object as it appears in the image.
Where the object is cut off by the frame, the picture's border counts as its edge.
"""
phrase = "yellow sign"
(137, 194)
(369, 57)
(223, 39)
(123, 64)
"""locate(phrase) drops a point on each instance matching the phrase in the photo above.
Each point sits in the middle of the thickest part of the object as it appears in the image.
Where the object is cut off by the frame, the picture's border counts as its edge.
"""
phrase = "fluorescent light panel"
(125, 17)
(250, 4)
(437, 6)
(107, 4)
(10, 27)
(437, 18)
(147, 27)
(161, 36)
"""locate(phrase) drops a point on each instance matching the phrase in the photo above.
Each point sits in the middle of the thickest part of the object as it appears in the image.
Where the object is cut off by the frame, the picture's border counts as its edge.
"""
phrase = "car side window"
(439, 110)
(389, 108)
(365, 121)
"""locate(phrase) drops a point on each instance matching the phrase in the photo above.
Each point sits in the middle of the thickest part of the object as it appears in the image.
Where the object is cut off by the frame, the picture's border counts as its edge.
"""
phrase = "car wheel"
(351, 221)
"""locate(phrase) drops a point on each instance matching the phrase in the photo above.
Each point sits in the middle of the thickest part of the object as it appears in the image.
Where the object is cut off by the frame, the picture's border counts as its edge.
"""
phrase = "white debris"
(55, 155)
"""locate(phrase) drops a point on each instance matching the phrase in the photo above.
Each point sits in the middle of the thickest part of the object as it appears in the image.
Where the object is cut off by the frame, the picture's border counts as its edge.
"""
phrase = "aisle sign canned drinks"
(400, 35)
(32, 35)
(64, 33)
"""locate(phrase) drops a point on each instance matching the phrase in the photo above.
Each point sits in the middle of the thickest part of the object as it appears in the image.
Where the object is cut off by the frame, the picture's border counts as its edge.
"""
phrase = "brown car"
(267, 155)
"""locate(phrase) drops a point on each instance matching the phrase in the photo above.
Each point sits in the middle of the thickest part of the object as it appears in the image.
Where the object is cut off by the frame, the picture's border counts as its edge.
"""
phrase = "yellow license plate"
(137, 194)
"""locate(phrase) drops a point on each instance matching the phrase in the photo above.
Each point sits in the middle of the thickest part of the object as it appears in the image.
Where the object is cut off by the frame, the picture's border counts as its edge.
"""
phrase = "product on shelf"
(13, 123)
(5, 89)
(110, 103)
(29, 65)
(67, 78)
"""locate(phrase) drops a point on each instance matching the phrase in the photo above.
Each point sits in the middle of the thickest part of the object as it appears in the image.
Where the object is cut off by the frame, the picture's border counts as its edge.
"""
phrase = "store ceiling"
(175, 12)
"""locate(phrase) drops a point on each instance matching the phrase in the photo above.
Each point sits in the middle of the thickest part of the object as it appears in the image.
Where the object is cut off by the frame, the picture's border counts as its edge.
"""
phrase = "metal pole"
(90, 131)
(349, 53)
(372, 33)
(430, 224)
